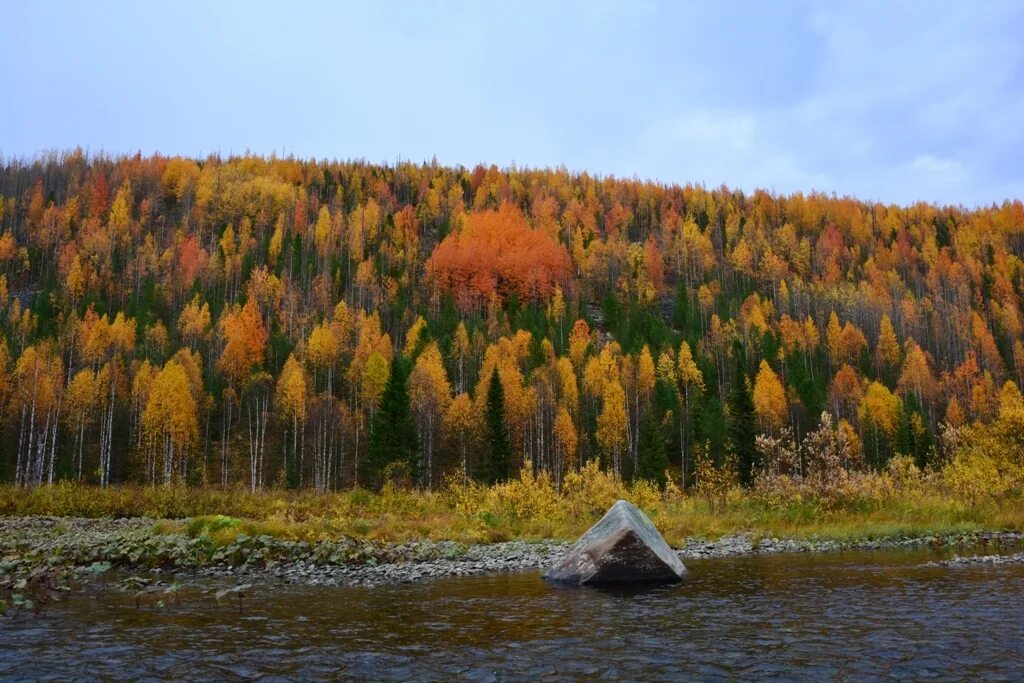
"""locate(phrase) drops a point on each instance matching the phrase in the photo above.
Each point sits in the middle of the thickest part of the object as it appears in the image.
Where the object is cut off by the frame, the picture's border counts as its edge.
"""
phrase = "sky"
(885, 101)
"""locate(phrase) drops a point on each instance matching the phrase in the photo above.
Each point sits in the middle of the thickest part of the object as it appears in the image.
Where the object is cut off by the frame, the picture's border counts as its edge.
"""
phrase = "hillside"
(276, 322)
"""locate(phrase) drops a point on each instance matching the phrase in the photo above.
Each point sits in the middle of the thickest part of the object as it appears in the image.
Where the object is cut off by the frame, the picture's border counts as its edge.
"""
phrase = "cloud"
(904, 103)
(886, 101)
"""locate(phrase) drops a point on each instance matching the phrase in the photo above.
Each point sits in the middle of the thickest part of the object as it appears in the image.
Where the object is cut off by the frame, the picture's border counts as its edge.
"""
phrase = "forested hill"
(269, 322)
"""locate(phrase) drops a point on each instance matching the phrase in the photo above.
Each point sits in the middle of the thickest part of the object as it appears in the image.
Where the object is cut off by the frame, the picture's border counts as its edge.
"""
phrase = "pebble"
(131, 544)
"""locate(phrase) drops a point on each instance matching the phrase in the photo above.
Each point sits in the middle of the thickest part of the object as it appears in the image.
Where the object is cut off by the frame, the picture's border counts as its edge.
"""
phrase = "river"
(849, 616)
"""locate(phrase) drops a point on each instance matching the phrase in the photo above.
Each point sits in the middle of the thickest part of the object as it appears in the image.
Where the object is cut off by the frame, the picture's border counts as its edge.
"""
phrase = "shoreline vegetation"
(150, 542)
(402, 534)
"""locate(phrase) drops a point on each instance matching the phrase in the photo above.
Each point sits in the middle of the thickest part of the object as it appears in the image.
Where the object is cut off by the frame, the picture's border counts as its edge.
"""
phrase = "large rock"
(623, 547)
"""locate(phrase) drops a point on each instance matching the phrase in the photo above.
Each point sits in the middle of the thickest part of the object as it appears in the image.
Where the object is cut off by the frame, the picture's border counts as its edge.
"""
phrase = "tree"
(431, 394)
(613, 425)
(460, 352)
(393, 437)
(880, 413)
(653, 462)
(170, 422)
(323, 351)
(38, 376)
(692, 380)
(770, 398)
(916, 377)
(566, 441)
(257, 392)
(497, 464)
(194, 322)
(887, 351)
(459, 427)
(742, 424)
(291, 398)
(497, 252)
(245, 343)
(846, 392)
(83, 396)
(579, 342)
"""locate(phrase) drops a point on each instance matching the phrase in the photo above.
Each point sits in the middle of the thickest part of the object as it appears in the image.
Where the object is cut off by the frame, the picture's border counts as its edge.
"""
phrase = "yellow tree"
(770, 399)
(6, 386)
(887, 351)
(566, 442)
(113, 342)
(83, 397)
(414, 337)
(169, 423)
(461, 426)
(460, 352)
(372, 383)
(833, 334)
(194, 322)
(612, 425)
(430, 392)
(556, 312)
(568, 388)
(691, 379)
(143, 376)
(324, 234)
(640, 378)
(38, 379)
(916, 377)
(291, 398)
(880, 413)
(323, 351)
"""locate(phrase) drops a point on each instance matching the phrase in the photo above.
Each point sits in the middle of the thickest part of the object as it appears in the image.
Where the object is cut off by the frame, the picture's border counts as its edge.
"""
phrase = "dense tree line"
(327, 324)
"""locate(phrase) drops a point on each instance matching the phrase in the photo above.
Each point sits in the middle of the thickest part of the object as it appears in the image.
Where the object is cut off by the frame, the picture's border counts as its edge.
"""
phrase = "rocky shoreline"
(94, 546)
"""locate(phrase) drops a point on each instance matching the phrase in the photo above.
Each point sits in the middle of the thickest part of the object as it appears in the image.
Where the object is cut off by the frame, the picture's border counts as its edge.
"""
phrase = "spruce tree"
(393, 437)
(742, 422)
(652, 460)
(498, 458)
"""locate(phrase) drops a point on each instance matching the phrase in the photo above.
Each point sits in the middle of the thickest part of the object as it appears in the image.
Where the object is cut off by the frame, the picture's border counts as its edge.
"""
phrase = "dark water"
(851, 616)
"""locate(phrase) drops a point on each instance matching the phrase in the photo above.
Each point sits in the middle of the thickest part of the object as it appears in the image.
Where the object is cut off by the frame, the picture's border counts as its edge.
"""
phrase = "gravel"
(975, 560)
(132, 545)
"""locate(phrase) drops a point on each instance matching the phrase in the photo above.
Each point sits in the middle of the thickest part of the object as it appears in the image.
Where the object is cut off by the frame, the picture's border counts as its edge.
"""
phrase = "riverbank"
(170, 550)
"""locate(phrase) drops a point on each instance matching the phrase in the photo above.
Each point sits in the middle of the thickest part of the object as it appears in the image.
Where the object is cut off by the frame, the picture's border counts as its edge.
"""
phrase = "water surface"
(847, 616)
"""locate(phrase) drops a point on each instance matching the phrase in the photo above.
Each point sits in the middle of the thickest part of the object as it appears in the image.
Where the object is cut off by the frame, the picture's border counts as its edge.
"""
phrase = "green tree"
(742, 422)
(393, 437)
(652, 459)
(497, 460)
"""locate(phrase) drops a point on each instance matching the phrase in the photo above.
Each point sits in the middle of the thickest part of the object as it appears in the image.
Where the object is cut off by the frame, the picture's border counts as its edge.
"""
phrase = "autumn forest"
(270, 323)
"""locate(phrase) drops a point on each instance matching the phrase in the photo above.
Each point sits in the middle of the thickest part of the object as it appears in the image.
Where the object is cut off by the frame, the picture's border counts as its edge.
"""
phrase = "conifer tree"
(393, 437)
(497, 459)
(742, 421)
(652, 459)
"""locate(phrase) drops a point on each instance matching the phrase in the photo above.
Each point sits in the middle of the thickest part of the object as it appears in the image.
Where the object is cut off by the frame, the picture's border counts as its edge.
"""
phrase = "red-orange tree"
(498, 252)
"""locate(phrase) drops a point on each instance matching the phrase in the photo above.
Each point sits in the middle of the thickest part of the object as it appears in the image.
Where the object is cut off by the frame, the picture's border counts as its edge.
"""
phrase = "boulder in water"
(623, 547)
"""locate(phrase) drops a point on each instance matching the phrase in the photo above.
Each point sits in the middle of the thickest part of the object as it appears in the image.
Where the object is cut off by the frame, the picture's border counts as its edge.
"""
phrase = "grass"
(528, 508)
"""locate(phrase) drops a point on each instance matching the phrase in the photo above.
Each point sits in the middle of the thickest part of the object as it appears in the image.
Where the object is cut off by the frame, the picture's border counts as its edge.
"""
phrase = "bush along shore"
(211, 547)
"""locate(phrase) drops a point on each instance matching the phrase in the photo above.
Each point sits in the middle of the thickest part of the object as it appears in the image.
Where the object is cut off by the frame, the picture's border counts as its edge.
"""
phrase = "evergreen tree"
(393, 437)
(497, 462)
(742, 422)
(652, 460)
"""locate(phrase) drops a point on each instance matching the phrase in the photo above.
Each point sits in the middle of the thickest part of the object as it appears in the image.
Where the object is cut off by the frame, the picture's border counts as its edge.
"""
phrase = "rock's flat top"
(622, 547)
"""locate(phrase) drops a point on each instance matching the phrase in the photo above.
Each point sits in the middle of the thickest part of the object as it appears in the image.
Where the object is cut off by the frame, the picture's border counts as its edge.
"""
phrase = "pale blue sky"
(888, 101)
